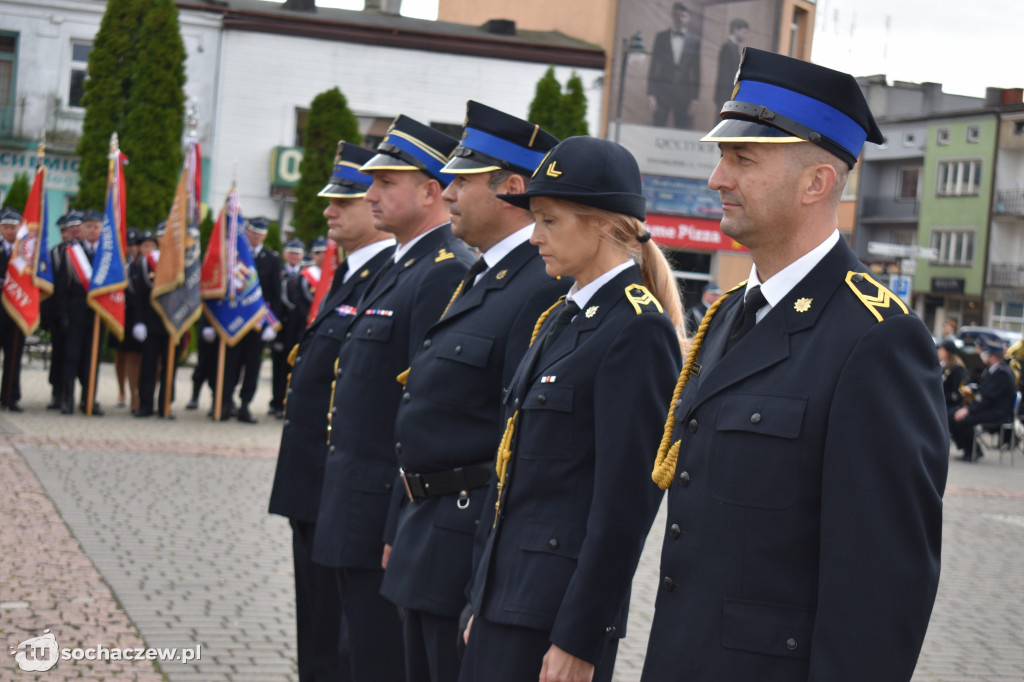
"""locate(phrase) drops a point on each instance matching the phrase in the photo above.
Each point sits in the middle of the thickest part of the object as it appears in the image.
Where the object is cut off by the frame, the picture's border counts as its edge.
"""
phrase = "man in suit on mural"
(673, 82)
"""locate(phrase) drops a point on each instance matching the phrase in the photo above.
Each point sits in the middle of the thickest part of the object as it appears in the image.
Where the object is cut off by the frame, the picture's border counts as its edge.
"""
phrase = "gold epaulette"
(642, 299)
(880, 301)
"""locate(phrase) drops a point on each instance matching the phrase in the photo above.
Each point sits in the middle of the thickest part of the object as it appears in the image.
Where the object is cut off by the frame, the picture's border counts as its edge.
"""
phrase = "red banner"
(20, 292)
(327, 270)
(690, 233)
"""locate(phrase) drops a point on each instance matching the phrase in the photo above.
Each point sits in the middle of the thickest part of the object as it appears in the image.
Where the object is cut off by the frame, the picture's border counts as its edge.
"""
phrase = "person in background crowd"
(673, 82)
(993, 402)
(953, 374)
(729, 60)
(291, 269)
(128, 351)
(709, 294)
(12, 339)
(69, 225)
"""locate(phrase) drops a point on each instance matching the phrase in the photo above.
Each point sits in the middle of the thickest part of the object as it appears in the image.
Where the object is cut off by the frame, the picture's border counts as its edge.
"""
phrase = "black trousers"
(372, 625)
(279, 361)
(206, 366)
(58, 344)
(156, 354)
(431, 654)
(78, 354)
(243, 361)
(14, 346)
(322, 651)
(509, 653)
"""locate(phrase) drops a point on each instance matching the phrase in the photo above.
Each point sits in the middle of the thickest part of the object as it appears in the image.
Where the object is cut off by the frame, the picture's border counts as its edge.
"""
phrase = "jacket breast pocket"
(463, 369)
(373, 328)
(333, 329)
(755, 460)
(547, 423)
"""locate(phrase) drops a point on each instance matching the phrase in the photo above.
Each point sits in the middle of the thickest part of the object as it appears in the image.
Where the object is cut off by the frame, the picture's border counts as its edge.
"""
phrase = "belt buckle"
(405, 482)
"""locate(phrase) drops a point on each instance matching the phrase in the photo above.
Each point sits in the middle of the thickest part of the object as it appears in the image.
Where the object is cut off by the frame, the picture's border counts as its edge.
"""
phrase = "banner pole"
(168, 384)
(218, 399)
(93, 360)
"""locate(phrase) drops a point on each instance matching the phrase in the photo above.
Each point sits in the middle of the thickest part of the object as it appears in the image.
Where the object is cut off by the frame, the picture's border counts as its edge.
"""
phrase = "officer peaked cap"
(779, 99)
(493, 140)
(410, 146)
(346, 181)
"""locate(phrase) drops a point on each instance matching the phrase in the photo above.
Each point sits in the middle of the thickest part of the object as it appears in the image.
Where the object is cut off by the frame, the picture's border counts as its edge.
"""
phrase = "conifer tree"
(329, 120)
(573, 113)
(155, 118)
(17, 195)
(547, 103)
(105, 96)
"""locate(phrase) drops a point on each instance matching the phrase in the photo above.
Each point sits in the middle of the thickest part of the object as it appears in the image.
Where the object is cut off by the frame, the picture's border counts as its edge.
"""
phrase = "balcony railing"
(889, 208)
(1010, 202)
(1005, 275)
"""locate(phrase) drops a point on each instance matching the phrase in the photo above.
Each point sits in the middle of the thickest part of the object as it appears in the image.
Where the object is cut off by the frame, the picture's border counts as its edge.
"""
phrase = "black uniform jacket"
(578, 500)
(388, 328)
(450, 416)
(139, 306)
(268, 267)
(994, 403)
(805, 518)
(300, 459)
(952, 379)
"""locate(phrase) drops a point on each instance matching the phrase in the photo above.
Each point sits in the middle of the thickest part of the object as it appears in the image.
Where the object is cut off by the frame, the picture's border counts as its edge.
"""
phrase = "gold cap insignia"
(365, 273)
(591, 311)
(802, 305)
(552, 172)
(501, 275)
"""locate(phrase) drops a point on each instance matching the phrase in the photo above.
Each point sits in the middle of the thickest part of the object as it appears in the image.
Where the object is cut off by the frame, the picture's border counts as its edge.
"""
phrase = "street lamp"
(630, 47)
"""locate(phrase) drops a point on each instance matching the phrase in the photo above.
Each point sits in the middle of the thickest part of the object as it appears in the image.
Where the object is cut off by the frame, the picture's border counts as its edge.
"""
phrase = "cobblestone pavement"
(120, 530)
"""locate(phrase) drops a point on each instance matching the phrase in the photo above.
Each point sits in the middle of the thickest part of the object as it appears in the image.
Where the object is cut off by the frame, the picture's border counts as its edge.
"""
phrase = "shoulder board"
(880, 301)
(444, 254)
(642, 299)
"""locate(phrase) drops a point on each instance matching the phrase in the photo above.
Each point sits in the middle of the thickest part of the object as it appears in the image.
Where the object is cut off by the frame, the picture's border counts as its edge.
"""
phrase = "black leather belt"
(422, 486)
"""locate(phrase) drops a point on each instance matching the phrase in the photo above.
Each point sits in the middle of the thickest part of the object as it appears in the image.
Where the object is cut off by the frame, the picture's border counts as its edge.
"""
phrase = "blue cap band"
(350, 172)
(499, 148)
(816, 115)
(432, 164)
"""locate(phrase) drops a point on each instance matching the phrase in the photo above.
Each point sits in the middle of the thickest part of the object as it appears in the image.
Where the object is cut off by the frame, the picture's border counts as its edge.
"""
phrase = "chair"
(1004, 437)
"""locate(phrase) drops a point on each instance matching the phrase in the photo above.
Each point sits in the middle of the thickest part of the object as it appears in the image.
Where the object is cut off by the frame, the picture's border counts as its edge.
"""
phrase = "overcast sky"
(965, 45)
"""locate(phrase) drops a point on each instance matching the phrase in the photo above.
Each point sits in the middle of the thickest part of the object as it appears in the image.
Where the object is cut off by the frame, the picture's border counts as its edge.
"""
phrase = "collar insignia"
(413, 260)
(501, 275)
(591, 311)
(365, 273)
(802, 305)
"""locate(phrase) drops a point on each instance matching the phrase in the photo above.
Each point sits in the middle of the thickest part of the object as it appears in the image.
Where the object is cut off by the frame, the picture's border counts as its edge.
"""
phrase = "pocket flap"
(549, 397)
(768, 414)
(551, 538)
(769, 629)
(373, 328)
(465, 348)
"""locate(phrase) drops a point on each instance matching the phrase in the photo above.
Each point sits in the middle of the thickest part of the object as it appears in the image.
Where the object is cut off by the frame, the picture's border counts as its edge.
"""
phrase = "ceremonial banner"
(330, 266)
(28, 270)
(109, 278)
(241, 307)
(175, 294)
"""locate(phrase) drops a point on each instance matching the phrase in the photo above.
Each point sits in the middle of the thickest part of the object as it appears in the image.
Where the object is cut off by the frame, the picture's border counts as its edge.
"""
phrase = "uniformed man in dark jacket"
(244, 358)
(69, 225)
(75, 317)
(148, 329)
(806, 448)
(291, 270)
(389, 324)
(994, 402)
(12, 339)
(300, 461)
(455, 382)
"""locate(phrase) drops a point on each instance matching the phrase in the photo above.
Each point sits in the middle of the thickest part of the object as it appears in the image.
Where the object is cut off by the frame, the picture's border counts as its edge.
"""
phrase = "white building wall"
(266, 77)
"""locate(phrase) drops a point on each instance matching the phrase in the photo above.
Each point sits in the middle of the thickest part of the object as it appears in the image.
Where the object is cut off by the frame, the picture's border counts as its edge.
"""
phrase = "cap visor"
(465, 165)
(386, 162)
(333, 191)
(741, 130)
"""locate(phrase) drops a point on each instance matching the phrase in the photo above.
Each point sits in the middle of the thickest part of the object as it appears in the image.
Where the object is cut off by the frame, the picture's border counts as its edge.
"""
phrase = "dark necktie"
(753, 302)
(565, 315)
(475, 269)
(339, 279)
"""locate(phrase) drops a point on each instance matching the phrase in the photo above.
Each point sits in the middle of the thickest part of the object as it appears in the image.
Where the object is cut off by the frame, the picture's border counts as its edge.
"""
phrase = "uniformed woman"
(573, 499)
(953, 371)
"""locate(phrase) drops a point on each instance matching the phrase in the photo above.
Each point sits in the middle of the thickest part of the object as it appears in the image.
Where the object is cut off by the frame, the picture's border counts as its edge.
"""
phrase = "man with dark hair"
(806, 448)
(673, 82)
(729, 60)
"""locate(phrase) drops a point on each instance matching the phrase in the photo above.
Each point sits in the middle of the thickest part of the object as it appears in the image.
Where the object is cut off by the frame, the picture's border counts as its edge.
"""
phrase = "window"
(1008, 315)
(8, 68)
(909, 139)
(973, 133)
(942, 136)
(909, 184)
(79, 71)
(959, 178)
(1018, 127)
(955, 247)
(301, 116)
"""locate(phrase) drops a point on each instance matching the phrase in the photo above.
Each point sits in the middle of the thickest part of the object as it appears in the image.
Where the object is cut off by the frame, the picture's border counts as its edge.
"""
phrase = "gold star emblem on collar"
(802, 305)
(501, 275)
(591, 311)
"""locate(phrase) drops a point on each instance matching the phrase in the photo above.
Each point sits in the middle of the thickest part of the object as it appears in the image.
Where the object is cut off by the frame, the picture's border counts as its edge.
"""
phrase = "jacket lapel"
(422, 249)
(496, 278)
